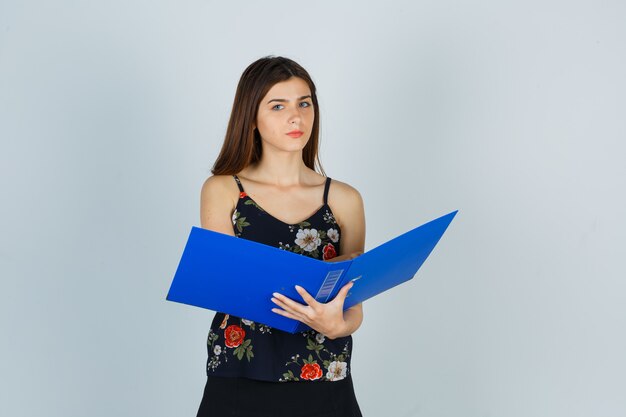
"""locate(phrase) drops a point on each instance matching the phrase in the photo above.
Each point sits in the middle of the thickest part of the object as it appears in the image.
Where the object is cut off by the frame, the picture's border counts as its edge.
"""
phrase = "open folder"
(237, 276)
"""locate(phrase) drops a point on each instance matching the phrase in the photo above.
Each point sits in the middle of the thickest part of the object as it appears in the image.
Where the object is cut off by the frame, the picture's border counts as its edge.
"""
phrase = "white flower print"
(320, 338)
(234, 217)
(246, 322)
(329, 217)
(217, 349)
(308, 239)
(333, 235)
(336, 371)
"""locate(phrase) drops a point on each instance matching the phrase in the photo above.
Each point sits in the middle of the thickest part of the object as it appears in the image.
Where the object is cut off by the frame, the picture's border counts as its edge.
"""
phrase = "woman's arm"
(350, 214)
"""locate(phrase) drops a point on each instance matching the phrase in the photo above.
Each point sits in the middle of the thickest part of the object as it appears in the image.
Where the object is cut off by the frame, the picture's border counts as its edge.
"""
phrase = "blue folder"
(237, 276)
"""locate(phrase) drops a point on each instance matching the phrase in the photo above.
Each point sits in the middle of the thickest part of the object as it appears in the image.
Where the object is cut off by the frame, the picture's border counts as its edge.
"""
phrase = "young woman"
(265, 188)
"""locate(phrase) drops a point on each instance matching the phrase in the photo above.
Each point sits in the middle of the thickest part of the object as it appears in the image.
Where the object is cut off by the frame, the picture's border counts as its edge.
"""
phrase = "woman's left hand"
(325, 318)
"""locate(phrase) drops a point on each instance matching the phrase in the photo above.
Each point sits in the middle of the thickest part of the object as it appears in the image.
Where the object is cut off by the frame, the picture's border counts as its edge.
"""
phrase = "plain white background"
(112, 113)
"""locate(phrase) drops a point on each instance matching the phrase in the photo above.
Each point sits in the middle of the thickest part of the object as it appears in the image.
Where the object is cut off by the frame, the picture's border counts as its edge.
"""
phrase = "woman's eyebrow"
(282, 100)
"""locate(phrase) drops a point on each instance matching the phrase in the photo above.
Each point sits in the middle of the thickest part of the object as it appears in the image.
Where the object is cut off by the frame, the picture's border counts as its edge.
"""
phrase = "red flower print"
(329, 251)
(242, 194)
(311, 371)
(233, 336)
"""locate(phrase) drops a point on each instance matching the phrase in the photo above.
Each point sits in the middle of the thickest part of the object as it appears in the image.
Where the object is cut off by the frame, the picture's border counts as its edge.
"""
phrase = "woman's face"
(286, 107)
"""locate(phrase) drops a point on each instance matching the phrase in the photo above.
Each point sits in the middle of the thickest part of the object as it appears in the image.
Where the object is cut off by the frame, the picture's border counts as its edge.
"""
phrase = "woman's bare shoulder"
(218, 198)
(343, 192)
(347, 205)
(220, 186)
(220, 181)
(345, 200)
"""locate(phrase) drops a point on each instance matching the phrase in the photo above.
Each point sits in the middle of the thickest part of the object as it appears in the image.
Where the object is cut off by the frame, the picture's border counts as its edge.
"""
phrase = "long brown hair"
(242, 144)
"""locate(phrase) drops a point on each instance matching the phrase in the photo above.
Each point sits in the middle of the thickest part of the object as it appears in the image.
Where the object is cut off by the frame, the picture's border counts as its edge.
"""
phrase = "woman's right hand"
(345, 257)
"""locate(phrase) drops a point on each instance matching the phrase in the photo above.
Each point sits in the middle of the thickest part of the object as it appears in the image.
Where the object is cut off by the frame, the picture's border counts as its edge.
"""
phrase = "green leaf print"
(242, 349)
(239, 352)
(241, 223)
(310, 344)
(289, 376)
(251, 202)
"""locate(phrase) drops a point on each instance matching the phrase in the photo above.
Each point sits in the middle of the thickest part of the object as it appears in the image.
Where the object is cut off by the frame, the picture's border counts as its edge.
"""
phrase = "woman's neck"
(283, 170)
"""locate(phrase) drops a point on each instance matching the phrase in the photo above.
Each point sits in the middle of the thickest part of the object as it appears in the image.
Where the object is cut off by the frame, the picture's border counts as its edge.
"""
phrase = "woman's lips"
(295, 134)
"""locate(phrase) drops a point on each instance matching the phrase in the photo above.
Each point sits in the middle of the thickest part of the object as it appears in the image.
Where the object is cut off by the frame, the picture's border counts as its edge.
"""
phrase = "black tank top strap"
(238, 183)
(326, 187)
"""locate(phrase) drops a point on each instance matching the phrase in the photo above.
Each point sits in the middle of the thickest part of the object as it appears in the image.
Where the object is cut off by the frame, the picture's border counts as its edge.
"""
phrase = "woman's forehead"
(293, 88)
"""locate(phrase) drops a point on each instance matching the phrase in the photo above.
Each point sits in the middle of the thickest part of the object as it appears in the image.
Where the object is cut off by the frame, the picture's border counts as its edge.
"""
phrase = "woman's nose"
(294, 118)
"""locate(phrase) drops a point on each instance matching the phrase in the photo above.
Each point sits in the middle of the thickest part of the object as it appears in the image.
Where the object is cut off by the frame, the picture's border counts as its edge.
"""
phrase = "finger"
(288, 304)
(280, 304)
(306, 296)
(343, 293)
(289, 315)
(286, 309)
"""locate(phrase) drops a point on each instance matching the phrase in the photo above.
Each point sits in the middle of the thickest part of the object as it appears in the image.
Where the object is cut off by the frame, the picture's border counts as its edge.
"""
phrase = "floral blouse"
(242, 348)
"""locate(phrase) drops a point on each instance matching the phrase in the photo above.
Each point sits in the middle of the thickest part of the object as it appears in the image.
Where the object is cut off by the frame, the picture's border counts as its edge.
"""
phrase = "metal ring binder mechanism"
(210, 273)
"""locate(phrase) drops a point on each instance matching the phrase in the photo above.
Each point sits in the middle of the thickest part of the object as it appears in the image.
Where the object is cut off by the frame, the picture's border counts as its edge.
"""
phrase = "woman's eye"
(304, 102)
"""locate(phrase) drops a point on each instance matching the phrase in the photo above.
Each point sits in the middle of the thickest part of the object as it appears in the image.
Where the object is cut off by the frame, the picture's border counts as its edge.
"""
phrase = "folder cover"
(237, 276)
